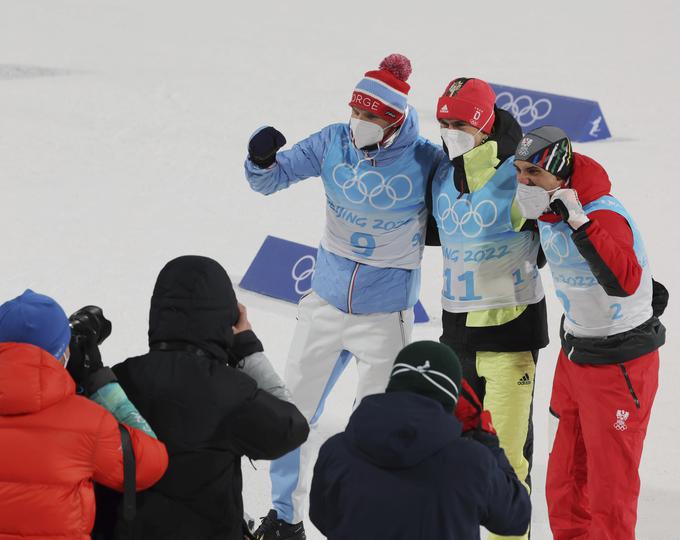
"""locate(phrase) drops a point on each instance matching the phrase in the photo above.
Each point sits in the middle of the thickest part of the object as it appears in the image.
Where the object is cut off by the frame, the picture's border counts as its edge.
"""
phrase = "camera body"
(89, 323)
(89, 328)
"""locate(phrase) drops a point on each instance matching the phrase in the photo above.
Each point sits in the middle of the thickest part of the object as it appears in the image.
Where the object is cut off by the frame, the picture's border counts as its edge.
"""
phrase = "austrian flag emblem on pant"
(621, 417)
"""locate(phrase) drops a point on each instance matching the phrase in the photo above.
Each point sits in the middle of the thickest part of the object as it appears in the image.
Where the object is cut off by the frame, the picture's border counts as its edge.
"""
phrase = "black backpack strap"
(129, 475)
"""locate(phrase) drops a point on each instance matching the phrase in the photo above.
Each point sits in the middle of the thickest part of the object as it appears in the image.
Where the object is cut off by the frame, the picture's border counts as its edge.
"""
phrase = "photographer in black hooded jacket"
(207, 390)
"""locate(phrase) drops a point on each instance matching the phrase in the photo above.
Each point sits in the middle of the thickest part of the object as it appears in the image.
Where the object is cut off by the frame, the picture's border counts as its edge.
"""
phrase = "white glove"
(565, 202)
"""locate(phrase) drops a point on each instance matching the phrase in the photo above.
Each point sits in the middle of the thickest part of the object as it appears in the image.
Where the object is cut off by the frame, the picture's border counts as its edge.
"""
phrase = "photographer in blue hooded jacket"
(407, 468)
(374, 171)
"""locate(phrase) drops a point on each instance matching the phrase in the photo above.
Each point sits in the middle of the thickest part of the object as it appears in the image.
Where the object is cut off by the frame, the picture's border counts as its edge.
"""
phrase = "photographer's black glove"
(490, 440)
(263, 146)
(86, 367)
(245, 344)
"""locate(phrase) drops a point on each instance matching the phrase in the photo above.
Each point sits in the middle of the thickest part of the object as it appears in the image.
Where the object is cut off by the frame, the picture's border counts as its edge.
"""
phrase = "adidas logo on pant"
(524, 380)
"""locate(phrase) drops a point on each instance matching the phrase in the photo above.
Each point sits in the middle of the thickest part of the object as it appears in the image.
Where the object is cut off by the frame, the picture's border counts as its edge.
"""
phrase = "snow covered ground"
(123, 127)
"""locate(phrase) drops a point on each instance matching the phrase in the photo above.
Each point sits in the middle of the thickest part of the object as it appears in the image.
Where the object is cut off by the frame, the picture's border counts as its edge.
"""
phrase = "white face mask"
(457, 142)
(365, 133)
(533, 201)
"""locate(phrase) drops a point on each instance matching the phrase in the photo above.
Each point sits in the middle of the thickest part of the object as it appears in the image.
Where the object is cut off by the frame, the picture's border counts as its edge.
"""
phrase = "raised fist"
(263, 146)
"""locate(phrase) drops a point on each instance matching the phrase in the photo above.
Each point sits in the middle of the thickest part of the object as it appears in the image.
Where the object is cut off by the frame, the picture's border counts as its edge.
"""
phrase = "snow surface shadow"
(10, 72)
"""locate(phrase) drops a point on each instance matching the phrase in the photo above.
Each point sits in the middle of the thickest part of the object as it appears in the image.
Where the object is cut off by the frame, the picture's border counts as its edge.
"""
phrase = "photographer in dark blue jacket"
(406, 467)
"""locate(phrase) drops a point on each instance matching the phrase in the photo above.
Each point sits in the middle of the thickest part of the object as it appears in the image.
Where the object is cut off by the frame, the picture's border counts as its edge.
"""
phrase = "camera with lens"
(89, 323)
(89, 328)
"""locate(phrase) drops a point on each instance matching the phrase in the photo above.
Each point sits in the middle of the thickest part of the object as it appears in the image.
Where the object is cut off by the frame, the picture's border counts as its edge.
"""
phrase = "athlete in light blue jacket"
(367, 279)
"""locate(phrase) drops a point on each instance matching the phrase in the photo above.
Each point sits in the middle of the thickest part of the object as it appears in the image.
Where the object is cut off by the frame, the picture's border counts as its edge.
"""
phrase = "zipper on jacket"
(630, 385)
(401, 327)
(350, 292)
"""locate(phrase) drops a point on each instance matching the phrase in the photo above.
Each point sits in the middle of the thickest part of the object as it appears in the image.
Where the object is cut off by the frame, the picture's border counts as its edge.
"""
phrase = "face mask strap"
(394, 135)
(367, 158)
(485, 123)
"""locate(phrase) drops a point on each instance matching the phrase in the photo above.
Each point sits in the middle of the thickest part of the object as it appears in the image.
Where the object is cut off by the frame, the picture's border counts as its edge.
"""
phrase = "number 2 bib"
(588, 310)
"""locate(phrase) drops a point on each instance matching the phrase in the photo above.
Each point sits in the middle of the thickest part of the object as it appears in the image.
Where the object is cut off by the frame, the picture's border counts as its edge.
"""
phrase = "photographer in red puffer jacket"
(53, 443)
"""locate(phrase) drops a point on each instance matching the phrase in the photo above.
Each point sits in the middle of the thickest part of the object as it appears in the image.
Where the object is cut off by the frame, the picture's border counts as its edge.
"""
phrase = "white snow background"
(123, 128)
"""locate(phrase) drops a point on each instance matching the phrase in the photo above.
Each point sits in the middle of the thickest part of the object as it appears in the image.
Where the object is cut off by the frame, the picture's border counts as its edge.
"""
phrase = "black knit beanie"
(430, 369)
(549, 148)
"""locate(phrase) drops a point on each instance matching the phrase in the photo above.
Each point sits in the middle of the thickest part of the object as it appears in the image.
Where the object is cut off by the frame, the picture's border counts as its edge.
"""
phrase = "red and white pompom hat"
(384, 91)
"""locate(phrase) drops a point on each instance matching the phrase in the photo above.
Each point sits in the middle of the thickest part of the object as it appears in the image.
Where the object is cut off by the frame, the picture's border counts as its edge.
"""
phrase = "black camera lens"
(89, 321)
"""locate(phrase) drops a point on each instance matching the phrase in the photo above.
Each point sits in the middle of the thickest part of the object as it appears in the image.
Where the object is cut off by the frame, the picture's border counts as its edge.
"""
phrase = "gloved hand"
(565, 202)
(86, 367)
(476, 421)
(245, 340)
(263, 146)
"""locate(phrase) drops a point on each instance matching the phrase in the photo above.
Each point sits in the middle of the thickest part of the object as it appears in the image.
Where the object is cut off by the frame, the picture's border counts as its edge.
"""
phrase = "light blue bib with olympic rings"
(487, 264)
(589, 311)
(375, 215)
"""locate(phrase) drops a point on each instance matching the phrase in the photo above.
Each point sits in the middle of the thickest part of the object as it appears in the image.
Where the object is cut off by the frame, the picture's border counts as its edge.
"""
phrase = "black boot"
(273, 528)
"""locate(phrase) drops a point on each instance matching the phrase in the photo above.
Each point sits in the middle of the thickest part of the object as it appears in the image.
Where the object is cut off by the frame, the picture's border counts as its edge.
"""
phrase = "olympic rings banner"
(284, 270)
(581, 119)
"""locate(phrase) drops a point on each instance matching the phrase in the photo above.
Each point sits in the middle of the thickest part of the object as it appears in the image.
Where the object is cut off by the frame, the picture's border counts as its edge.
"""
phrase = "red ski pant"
(592, 483)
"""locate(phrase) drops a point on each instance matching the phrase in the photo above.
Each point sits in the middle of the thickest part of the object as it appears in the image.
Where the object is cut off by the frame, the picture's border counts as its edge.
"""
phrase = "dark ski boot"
(273, 528)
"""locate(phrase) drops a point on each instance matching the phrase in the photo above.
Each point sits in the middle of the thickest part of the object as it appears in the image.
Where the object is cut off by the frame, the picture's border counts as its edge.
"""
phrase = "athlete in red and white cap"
(494, 312)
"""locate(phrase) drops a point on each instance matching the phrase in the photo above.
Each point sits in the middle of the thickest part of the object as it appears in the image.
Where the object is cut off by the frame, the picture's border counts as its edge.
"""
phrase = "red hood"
(31, 379)
(590, 181)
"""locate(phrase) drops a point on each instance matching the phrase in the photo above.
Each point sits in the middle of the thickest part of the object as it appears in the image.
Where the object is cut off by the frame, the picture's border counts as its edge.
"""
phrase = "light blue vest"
(487, 264)
(374, 215)
(588, 310)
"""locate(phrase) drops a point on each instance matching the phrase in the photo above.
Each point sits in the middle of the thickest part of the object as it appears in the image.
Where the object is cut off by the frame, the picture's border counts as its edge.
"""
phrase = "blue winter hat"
(35, 319)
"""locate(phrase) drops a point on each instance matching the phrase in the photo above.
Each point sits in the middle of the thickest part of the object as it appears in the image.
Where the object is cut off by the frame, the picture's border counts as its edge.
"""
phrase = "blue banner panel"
(581, 119)
(284, 269)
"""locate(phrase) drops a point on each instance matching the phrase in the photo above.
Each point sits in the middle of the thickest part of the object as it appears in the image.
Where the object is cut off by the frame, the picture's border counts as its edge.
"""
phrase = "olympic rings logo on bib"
(300, 274)
(461, 216)
(525, 110)
(371, 186)
(556, 247)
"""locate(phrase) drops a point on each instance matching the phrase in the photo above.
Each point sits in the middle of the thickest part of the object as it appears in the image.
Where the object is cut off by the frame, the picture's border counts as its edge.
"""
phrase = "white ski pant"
(324, 342)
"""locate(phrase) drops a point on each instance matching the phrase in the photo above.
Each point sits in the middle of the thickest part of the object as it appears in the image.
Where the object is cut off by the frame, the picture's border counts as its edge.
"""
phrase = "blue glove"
(263, 146)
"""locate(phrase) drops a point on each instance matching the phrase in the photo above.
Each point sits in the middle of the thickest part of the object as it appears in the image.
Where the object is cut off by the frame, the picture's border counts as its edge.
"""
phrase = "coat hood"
(506, 132)
(590, 181)
(31, 379)
(398, 430)
(194, 302)
(408, 135)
